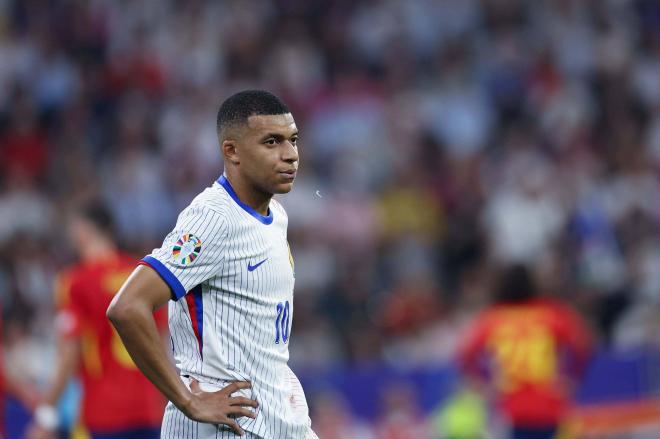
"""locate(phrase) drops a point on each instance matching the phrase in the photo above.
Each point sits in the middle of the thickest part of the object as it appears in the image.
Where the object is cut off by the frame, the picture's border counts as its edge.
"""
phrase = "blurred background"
(440, 139)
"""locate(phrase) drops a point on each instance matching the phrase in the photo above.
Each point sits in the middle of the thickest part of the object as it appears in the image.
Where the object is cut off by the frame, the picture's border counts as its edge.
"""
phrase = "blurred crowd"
(440, 140)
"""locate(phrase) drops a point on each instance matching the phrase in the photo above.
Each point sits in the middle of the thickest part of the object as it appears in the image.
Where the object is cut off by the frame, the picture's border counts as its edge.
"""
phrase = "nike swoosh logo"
(254, 267)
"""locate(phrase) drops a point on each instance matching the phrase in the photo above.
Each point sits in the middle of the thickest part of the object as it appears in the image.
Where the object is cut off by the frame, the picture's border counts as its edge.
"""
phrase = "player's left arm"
(577, 337)
(131, 313)
(69, 352)
(67, 325)
(45, 415)
(472, 346)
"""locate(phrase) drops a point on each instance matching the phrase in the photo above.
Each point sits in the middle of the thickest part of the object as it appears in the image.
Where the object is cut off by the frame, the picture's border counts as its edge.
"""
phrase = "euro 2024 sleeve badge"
(186, 249)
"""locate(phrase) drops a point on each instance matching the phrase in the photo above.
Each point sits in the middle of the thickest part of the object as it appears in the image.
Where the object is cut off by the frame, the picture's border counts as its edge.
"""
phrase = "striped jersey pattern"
(231, 274)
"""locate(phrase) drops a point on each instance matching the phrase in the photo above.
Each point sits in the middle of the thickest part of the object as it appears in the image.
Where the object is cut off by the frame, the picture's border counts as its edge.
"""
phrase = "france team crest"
(186, 249)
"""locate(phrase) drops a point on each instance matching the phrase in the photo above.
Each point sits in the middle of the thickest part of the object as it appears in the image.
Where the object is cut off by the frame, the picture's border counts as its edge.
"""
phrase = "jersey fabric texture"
(231, 275)
(530, 350)
(116, 396)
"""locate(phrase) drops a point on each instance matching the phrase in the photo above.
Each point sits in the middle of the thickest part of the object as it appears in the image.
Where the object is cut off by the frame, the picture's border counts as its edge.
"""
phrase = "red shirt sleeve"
(471, 350)
(576, 337)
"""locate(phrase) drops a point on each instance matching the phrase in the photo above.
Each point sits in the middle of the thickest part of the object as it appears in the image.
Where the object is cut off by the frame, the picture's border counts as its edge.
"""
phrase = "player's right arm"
(576, 337)
(472, 346)
(131, 313)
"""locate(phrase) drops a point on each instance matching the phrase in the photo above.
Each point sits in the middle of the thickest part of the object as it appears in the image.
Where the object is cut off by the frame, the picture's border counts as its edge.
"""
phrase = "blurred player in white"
(229, 272)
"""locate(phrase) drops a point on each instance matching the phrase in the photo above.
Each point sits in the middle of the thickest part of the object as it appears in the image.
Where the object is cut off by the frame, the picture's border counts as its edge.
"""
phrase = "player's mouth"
(288, 175)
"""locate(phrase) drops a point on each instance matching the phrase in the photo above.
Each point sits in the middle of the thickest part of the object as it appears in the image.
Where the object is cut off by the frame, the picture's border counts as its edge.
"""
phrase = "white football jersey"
(231, 274)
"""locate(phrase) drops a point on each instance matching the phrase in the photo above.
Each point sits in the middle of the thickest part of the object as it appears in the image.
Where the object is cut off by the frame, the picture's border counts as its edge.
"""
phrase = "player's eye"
(294, 140)
(270, 141)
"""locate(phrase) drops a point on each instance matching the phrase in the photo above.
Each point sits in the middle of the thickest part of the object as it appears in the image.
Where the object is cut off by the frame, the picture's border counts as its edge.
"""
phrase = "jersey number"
(524, 355)
(282, 322)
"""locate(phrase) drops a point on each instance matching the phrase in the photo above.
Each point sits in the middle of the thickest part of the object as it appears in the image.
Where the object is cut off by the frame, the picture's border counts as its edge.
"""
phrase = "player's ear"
(229, 151)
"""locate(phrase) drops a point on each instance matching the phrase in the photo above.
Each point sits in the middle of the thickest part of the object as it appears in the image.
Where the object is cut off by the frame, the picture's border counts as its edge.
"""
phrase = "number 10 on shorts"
(282, 322)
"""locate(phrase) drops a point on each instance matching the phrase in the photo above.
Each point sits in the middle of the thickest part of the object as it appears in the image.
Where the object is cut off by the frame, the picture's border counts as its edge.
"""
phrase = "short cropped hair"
(515, 285)
(99, 215)
(237, 108)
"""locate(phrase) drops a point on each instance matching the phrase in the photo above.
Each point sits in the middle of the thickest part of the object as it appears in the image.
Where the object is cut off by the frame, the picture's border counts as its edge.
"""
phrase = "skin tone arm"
(131, 313)
(69, 352)
(68, 355)
(67, 361)
(24, 391)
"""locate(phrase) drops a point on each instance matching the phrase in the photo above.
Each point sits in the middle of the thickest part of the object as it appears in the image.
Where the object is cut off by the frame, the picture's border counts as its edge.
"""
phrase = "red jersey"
(116, 396)
(3, 384)
(531, 350)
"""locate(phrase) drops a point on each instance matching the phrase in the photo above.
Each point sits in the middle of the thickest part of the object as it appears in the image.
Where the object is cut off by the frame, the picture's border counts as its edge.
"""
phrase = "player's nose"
(289, 152)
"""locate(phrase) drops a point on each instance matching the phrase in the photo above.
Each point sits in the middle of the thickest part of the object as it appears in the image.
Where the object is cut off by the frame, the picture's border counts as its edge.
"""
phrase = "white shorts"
(176, 425)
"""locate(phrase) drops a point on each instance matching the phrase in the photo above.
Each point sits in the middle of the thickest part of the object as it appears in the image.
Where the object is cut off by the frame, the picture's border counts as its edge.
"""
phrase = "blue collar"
(230, 190)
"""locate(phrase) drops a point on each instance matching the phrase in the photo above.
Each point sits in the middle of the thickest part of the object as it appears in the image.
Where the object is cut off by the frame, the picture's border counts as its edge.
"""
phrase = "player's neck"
(98, 250)
(249, 195)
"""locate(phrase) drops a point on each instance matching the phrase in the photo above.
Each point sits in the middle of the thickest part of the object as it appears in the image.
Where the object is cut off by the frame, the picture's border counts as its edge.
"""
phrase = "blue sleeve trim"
(170, 279)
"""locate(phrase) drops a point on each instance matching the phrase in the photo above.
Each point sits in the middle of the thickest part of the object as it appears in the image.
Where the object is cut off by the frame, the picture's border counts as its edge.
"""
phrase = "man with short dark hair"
(118, 402)
(229, 272)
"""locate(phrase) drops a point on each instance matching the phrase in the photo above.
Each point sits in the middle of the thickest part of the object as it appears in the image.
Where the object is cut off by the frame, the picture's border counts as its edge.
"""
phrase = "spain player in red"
(118, 402)
(532, 349)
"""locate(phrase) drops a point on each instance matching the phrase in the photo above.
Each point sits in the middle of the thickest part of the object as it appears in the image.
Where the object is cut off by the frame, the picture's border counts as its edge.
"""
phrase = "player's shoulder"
(210, 205)
(556, 307)
(215, 204)
(73, 273)
(204, 219)
(124, 258)
(213, 199)
(65, 277)
(66, 280)
(488, 316)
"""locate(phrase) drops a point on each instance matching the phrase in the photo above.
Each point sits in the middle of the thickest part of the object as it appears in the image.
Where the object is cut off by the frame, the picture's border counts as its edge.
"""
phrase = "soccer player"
(533, 349)
(228, 273)
(118, 402)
